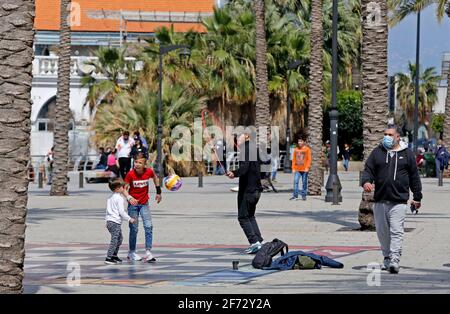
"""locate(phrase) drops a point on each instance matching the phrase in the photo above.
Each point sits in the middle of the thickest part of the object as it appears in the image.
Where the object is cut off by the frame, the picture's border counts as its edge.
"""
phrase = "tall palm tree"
(262, 90)
(61, 136)
(403, 8)
(428, 89)
(15, 109)
(375, 88)
(315, 116)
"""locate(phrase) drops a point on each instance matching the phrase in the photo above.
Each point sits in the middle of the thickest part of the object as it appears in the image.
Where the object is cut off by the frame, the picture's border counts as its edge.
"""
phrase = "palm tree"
(375, 88)
(15, 69)
(429, 80)
(138, 110)
(61, 137)
(262, 90)
(315, 116)
(114, 68)
(403, 8)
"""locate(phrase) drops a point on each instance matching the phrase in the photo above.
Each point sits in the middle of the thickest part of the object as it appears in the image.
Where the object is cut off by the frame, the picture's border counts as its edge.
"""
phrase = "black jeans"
(246, 216)
(125, 166)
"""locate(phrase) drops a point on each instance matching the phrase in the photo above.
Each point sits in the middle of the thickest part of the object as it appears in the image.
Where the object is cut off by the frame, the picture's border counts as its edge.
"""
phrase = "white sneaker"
(252, 249)
(132, 256)
(149, 257)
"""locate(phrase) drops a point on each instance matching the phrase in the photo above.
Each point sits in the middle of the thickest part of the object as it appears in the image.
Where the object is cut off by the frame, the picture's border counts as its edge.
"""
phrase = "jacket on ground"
(288, 260)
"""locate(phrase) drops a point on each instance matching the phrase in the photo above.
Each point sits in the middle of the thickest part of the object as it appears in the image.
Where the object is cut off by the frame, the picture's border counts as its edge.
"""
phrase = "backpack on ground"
(263, 257)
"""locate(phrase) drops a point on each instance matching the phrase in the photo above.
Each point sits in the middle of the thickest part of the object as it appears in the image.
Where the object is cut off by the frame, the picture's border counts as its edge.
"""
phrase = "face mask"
(388, 141)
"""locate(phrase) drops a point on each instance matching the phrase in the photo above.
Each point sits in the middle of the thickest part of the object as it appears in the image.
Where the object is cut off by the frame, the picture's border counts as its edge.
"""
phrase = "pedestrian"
(346, 156)
(103, 159)
(123, 146)
(137, 194)
(441, 158)
(50, 158)
(301, 163)
(138, 148)
(112, 163)
(249, 174)
(115, 213)
(391, 171)
(137, 136)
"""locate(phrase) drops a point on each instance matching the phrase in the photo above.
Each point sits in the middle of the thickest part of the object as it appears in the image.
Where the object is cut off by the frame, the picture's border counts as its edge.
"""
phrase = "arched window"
(46, 117)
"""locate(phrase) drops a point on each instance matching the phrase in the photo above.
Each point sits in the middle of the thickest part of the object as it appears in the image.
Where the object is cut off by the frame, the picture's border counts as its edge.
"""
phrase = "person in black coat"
(249, 174)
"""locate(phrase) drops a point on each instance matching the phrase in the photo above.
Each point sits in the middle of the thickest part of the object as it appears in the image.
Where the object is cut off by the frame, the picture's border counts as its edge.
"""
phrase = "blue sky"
(434, 37)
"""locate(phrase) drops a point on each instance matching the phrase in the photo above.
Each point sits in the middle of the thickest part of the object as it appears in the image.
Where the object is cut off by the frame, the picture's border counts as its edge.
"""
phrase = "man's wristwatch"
(129, 197)
(158, 190)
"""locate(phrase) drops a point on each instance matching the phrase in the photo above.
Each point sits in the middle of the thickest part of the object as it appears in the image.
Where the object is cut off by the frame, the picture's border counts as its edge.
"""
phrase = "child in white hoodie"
(115, 213)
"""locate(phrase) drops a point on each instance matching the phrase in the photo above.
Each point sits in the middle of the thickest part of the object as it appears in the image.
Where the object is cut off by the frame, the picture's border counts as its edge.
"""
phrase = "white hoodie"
(115, 209)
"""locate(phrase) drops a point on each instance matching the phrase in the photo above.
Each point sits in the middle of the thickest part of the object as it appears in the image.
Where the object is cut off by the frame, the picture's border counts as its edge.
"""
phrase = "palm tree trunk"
(375, 89)
(16, 51)
(262, 91)
(447, 114)
(61, 138)
(315, 114)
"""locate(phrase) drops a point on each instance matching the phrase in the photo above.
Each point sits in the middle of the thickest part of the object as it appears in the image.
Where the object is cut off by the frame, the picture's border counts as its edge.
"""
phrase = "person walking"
(346, 156)
(124, 145)
(301, 163)
(391, 171)
(441, 158)
(249, 174)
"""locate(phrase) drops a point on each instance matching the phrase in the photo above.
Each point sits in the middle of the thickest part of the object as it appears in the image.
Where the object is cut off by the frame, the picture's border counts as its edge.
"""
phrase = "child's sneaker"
(110, 261)
(386, 263)
(117, 259)
(132, 256)
(149, 257)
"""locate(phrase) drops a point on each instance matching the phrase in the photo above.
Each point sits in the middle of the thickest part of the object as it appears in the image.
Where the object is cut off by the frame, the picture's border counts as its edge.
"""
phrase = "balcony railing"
(47, 66)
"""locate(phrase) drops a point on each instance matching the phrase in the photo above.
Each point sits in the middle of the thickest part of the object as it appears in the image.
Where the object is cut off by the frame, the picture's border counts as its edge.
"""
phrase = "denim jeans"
(345, 164)
(304, 176)
(144, 211)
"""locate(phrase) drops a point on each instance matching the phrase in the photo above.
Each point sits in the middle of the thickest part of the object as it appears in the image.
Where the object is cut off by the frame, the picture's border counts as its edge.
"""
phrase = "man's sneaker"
(117, 259)
(110, 261)
(304, 198)
(132, 256)
(394, 268)
(149, 257)
(252, 249)
(386, 263)
(293, 198)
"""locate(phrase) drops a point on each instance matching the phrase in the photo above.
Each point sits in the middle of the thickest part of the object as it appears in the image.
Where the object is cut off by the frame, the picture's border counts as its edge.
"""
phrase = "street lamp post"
(416, 92)
(333, 185)
(162, 51)
(287, 164)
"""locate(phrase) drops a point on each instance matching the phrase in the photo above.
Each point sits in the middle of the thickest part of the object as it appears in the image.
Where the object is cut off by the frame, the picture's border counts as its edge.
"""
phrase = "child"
(301, 163)
(115, 212)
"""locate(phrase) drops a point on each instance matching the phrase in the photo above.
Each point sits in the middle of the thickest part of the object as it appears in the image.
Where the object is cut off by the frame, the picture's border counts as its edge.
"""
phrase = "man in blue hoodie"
(391, 170)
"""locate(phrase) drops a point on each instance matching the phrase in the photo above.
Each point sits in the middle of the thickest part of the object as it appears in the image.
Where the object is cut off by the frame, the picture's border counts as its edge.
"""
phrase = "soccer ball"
(172, 182)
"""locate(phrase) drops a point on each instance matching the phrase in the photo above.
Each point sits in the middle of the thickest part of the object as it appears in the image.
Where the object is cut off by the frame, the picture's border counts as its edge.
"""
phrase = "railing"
(47, 66)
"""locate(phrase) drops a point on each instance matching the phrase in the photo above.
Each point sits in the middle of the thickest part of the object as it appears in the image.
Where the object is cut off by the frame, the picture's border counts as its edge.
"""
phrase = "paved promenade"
(197, 236)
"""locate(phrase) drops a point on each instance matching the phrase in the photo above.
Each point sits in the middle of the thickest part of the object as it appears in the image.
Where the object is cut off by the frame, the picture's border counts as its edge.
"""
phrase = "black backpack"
(263, 257)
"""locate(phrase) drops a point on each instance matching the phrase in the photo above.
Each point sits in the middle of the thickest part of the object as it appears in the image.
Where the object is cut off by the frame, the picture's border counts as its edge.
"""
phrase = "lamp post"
(416, 92)
(333, 185)
(287, 164)
(162, 51)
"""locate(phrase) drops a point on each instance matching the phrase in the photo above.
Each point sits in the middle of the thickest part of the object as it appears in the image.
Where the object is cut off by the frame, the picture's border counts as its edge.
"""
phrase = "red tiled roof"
(47, 14)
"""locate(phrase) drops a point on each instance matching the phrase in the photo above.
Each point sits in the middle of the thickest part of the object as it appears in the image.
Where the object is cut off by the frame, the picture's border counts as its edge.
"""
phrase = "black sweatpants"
(115, 230)
(125, 166)
(246, 215)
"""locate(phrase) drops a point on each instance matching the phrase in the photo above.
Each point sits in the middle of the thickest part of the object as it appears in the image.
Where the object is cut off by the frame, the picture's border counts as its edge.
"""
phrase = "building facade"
(94, 24)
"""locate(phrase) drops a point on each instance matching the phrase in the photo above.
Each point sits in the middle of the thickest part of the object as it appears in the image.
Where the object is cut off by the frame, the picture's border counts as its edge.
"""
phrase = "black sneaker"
(110, 261)
(117, 259)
